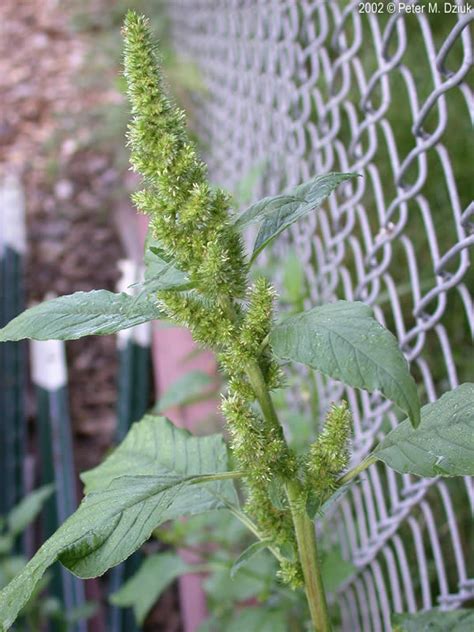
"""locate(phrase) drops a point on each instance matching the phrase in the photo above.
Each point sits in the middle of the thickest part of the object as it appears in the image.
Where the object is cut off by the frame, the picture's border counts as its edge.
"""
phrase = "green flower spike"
(329, 454)
(191, 221)
(188, 216)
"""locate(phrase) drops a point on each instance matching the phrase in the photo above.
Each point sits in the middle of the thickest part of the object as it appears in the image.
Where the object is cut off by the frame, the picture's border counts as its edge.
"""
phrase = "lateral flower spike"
(329, 454)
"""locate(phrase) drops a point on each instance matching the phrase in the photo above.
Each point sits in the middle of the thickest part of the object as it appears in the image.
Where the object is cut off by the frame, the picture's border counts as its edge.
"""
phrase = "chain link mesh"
(294, 89)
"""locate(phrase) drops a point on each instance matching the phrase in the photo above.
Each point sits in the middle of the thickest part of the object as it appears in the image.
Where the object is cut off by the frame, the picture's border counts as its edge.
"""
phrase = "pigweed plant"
(197, 276)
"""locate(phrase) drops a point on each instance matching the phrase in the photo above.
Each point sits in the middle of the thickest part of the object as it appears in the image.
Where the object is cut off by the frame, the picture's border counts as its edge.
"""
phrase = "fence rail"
(299, 88)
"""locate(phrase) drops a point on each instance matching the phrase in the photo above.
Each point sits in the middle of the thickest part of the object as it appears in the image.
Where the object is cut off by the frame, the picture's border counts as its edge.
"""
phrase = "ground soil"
(69, 186)
(73, 188)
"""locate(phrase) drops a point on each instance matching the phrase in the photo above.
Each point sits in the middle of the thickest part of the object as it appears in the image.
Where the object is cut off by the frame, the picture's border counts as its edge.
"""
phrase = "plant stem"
(304, 527)
(252, 527)
(308, 554)
(355, 471)
(257, 381)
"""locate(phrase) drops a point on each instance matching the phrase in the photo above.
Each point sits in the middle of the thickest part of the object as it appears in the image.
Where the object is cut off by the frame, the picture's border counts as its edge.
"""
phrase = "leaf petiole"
(358, 469)
(207, 478)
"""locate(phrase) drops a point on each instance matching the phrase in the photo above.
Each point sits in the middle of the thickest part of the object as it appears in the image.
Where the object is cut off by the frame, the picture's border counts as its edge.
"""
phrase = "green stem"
(363, 465)
(257, 382)
(308, 554)
(252, 527)
(314, 397)
(264, 344)
(304, 527)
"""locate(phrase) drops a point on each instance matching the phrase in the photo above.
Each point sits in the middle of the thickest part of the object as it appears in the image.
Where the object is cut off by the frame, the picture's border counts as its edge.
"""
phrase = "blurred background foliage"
(104, 60)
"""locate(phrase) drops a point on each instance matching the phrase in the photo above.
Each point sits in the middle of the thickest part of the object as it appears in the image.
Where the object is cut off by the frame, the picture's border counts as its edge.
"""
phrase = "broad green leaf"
(73, 316)
(247, 555)
(186, 390)
(27, 509)
(301, 199)
(443, 445)
(434, 621)
(144, 588)
(156, 447)
(344, 341)
(160, 270)
(158, 473)
(335, 569)
(276, 213)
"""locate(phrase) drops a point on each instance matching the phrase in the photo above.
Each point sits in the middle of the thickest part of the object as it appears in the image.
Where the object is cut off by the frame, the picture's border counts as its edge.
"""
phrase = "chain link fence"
(293, 89)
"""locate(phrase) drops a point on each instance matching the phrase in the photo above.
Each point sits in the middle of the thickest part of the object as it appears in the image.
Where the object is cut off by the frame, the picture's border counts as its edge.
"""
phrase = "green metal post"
(56, 458)
(12, 355)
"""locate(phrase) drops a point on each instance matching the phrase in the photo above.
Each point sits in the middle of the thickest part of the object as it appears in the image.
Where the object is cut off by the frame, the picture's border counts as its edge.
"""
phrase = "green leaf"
(160, 270)
(158, 473)
(335, 569)
(434, 621)
(27, 509)
(73, 316)
(144, 588)
(276, 213)
(186, 390)
(443, 445)
(248, 554)
(344, 341)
